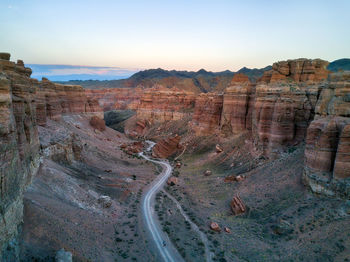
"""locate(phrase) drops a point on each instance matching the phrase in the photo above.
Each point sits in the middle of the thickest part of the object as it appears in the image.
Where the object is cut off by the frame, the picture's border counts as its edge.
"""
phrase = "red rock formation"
(162, 104)
(327, 152)
(132, 148)
(116, 98)
(299, 70)
(237, 206)
(215, 227)
(227, 230)
(233, 178)
(236, 116)
(281, 115)
(19, 144)
(166, 147)
(207, 113)
(55, 100)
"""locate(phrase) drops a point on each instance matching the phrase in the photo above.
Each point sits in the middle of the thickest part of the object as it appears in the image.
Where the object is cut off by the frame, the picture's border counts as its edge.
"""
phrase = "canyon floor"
(90, 204)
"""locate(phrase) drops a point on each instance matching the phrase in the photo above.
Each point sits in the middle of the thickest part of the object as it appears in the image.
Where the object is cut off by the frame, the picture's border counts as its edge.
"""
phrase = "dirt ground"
(65, 206)
(284, 222)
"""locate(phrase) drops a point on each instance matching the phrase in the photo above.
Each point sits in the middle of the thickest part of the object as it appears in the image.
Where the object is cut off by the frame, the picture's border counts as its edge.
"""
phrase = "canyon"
(287, 131)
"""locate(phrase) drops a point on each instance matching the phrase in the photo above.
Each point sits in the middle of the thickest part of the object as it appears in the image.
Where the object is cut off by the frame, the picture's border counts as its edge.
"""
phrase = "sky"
(182, 35)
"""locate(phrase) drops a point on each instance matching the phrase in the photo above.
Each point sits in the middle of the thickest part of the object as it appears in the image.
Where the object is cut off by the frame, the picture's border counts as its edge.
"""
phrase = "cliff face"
(327, 153)
(116, 98)
(237, 105)
(26, 103)
(161, 104)
(55, 100)
(19, 148)
(207, 113)
(276, 111)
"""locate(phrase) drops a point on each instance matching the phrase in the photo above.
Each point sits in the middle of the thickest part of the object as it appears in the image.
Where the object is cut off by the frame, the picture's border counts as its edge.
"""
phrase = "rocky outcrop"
(166, 147)
(116, 98)
(161, 104)
(327, 153)
(298, 70)
(19, 148)
(55, 100)
(237, 106)
(207, 113)
(237, 206)
(25, 106)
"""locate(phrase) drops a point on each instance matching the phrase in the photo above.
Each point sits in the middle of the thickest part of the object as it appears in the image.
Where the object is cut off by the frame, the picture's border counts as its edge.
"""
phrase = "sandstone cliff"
(327, 153)
(116, 98)
(162, 104)
(26, 103)
(19, 148)
(54, 100)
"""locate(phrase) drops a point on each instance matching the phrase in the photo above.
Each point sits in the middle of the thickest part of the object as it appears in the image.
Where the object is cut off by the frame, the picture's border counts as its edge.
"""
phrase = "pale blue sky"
(215, 35)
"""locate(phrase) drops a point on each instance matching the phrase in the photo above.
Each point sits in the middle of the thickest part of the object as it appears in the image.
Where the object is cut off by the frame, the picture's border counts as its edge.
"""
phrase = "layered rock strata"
(327, 153)
(19, 148)
(162, 104)
(25, 104)
(166, 147)
(207, 113)
(55, 100)
(116, 98)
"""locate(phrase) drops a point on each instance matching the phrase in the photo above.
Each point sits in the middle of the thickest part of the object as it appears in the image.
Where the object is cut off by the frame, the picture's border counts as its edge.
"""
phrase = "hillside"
(200, 81)
(340, 64)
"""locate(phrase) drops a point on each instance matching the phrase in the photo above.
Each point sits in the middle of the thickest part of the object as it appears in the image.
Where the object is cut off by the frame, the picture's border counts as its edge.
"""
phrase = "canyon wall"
(276, 110)
(163, 104)
(327, 152)
(19, 148)
(116, 98)
(26, 103)
(54, 100)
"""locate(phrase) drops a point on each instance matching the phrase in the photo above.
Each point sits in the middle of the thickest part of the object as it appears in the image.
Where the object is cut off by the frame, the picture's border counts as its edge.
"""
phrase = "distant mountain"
(340, 64)
(200, 81)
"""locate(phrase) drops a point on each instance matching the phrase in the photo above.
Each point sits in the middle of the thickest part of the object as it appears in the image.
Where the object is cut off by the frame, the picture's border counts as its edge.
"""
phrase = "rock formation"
(55, 100)
(327, 152)
(237, 106)
(116, 98)
(166, 147)
(215, 227)
(162, 104)
(26, 103)
(237, 206)
(207, 113)
(19, 148)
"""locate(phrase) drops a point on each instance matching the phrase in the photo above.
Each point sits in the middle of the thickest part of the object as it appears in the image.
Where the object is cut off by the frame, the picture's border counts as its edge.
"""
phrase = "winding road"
(166, 249)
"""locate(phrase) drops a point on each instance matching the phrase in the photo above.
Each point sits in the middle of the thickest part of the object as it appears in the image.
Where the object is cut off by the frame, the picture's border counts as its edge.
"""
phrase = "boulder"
(233, 178)
(218, 149)
(215, 227)
(237, 206)
(207, 172)
(227, 230)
